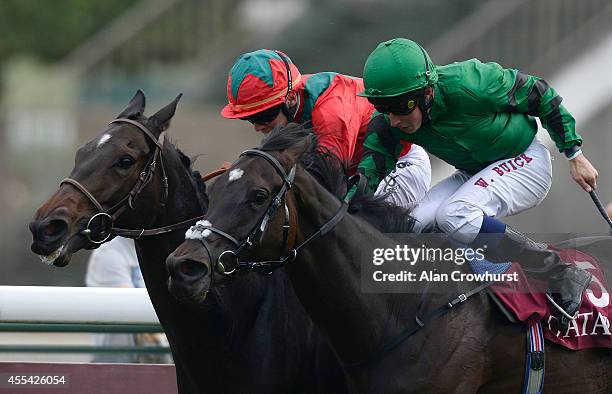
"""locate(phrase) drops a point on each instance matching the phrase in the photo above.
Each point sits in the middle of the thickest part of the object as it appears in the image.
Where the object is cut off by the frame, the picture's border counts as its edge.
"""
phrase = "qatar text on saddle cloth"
(527, 300)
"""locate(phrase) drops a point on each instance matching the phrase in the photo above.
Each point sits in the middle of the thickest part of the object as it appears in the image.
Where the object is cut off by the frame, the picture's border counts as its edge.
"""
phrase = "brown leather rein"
(108, 217)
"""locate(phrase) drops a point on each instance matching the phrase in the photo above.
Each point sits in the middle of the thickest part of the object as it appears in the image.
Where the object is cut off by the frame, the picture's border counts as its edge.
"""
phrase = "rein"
(228, 261)
(107, 217)
(380, 352)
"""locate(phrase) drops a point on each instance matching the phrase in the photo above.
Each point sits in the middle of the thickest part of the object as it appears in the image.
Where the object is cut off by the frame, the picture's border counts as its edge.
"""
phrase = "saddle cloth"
(526, 298)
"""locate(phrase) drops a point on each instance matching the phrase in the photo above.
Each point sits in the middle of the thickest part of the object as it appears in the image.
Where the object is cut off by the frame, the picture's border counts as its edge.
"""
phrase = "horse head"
(251, 217)
(120, 166)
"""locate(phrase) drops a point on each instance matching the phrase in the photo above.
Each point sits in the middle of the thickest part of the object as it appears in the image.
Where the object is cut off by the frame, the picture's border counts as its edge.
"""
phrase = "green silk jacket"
(481, 113)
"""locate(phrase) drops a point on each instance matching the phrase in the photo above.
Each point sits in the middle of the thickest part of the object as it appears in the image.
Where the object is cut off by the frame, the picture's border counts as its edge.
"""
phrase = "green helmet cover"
(396, 67)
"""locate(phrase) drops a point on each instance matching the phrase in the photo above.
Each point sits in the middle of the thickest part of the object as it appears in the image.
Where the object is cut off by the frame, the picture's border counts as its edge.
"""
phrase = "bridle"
(104, 220)
(228, 262)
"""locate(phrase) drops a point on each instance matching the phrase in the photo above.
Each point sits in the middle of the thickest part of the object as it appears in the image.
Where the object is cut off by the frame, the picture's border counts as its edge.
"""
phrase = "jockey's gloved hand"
(357, 186)
(351, 193)
(582, 171)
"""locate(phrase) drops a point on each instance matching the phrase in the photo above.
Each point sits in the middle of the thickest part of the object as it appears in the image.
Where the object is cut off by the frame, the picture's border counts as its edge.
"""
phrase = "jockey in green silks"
(479, 118)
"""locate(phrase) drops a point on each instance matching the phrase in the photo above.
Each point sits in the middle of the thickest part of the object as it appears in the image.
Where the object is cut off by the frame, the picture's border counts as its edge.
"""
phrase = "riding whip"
(600, 208)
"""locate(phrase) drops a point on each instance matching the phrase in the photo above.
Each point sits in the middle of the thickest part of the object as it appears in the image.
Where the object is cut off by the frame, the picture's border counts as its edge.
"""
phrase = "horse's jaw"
(193, 294)
(61, 256)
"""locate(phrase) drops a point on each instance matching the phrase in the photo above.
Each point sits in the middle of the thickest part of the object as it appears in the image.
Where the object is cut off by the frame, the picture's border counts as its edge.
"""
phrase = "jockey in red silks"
(265, 88)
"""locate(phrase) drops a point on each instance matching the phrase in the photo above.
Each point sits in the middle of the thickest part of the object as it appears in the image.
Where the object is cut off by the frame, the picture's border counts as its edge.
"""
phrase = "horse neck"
(191, 331)
(264, 304)
(184, 200)
(326, 274)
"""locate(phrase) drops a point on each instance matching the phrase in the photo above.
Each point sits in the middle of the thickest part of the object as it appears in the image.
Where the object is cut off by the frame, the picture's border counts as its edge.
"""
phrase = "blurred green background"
(67, 67)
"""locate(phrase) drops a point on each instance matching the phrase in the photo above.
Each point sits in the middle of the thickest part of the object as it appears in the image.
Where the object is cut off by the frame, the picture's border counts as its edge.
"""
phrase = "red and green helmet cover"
(257, 81)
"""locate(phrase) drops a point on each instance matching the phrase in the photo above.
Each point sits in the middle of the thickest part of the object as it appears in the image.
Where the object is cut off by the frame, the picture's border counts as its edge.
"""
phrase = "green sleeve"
(507, 90)
(533, 96)
(380, 151)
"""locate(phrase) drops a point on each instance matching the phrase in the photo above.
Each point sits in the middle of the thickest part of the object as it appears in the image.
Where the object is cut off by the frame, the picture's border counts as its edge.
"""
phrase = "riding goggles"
(399, 105)
(264, 117)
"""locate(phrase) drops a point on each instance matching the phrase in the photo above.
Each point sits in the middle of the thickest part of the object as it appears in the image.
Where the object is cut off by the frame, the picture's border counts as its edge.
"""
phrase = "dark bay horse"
(469, 349)
(250, 336)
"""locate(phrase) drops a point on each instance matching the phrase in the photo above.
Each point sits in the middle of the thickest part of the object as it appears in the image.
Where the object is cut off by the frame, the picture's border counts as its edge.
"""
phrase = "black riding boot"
(566, 282)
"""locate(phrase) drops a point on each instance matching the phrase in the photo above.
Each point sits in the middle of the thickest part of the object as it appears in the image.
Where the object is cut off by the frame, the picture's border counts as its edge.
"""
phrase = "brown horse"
(250, 336)
(468, 349)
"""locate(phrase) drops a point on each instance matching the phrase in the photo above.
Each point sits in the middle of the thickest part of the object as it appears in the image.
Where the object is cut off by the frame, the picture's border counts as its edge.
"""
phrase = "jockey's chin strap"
(228, 261)
(105, 218)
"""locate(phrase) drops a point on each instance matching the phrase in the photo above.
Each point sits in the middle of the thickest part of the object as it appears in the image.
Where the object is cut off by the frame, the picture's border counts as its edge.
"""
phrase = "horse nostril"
(193, 269)
(53, 230)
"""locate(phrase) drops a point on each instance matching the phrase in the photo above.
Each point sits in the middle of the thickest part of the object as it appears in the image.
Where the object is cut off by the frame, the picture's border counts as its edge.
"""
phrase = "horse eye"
(125, 162)
(260, 196)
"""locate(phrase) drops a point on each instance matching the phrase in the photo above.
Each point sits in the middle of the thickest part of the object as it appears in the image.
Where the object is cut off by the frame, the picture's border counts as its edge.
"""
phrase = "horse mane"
(283, 137)
(195, 174)
(330, 172)
(327, 169)
(382, 214)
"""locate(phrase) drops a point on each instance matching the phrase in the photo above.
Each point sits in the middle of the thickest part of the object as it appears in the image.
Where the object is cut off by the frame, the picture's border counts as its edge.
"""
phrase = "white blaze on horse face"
(199, 231)
(235, 174)
(103, 139)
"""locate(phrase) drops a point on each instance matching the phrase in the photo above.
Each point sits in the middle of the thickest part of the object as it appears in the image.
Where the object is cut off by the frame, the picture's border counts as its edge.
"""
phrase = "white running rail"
(48, 304)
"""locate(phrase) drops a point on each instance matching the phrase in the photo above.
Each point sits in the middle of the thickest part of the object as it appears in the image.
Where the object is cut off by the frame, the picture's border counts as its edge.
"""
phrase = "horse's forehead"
(103, 139)
(252, 167)
(244, 175)
(116, 135)
(231, 186)
(235, 174)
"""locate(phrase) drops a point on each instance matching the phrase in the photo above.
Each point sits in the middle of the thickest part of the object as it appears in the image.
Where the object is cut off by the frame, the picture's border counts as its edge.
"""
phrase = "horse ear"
(161, 120)
(136, 106)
